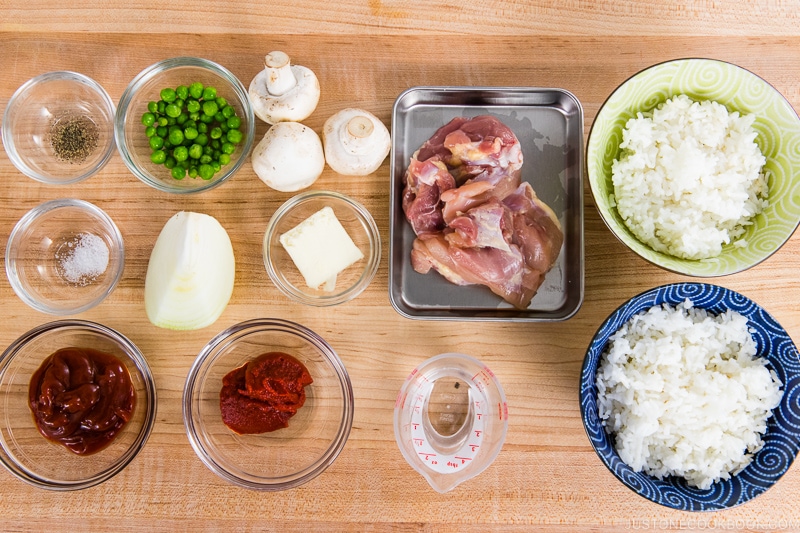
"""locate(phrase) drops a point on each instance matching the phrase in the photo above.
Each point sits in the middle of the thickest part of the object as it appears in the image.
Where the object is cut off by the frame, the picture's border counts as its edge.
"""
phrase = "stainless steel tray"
(549, 125)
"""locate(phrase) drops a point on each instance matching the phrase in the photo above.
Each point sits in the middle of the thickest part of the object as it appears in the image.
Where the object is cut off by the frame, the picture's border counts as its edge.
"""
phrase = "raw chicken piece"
(479, 149)
(475, 222)
(537, 230)
(504, 272)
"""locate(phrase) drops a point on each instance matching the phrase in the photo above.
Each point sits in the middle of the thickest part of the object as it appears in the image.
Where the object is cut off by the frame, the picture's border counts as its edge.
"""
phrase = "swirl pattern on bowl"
(782, 440)
(778, 128)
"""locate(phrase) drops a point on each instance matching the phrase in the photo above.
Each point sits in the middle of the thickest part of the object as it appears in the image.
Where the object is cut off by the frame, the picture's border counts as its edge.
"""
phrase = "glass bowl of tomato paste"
(77, 404)
(268, 405)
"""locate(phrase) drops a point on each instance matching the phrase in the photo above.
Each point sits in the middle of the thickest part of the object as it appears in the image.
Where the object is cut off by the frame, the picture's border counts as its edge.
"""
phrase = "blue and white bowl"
(782, 440)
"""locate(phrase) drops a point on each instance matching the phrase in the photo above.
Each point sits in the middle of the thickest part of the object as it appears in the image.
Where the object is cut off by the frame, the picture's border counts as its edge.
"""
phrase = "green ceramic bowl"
(778, 128)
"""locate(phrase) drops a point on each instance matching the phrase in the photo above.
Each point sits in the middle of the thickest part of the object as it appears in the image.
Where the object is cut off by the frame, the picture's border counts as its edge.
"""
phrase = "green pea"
(202, 127)
(209, 93)
(228, 148)
(234, 136)
(160, 106)
(176, 137)
(210, 108)
(161, 131)
(183, 118)
(234, 123)
(215, 165)
(178, 173)
(206, 171)
(168, 95)
(149, 131)
(194, 116)
(156, 142)
(219, 117)
(182, 91)
(224, 159)
(228, 111)
(148, 119)
(152, 106)
(158, 157)
(192, 172)
(205, 159)
(208, 150)
(202, 139)
(192, 106)
(163, 121)
(181, 153)
(172, 111)
(215, 144)
(190, 133)
(207, 119)
(195, 151)
(221, 102)
(216, 133)
(196, 90)
(170, 162)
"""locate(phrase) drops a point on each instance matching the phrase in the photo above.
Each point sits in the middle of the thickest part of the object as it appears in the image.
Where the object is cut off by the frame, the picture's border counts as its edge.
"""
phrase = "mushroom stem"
(360, 127)
(280, 78)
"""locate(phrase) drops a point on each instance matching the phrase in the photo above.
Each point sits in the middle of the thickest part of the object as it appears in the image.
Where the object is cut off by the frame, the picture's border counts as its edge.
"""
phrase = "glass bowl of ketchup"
(268, 405)
(77, 404)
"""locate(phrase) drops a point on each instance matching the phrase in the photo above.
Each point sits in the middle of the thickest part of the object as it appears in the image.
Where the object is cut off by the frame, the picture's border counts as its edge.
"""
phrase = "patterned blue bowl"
(781, 442)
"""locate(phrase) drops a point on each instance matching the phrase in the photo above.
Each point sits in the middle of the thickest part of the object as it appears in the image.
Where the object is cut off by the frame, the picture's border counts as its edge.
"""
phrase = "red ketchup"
(81, 398)
(263, 394)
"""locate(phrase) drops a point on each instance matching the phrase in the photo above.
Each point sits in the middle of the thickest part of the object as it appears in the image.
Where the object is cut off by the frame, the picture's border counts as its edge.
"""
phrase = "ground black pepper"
(73, 137)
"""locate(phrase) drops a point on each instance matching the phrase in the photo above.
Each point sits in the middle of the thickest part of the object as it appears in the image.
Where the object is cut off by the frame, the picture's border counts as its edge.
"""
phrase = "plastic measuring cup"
(450, 419)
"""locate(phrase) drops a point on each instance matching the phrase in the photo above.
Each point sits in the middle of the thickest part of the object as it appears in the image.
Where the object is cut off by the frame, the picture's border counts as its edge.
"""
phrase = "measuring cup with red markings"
(450, 419)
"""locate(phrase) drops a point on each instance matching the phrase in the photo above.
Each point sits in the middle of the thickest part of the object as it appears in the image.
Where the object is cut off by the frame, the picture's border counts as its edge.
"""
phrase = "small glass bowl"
(48, 465)
(358, 223)
(129, 131)
(46, 254)
(281, 459)
(50, 106)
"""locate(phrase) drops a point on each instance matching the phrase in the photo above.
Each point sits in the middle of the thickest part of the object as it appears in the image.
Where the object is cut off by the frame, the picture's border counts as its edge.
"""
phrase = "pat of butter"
(320, 248)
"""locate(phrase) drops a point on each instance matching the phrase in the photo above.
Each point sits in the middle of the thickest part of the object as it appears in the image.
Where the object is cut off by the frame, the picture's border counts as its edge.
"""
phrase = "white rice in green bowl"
(695, 203)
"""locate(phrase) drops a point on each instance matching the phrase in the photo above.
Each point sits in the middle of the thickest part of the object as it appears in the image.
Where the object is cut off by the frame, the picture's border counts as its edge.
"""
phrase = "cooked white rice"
(690, 177)
(683, 393)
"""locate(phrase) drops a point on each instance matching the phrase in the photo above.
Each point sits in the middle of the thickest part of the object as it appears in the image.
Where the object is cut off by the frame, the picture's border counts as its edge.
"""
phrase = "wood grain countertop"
(366, 53)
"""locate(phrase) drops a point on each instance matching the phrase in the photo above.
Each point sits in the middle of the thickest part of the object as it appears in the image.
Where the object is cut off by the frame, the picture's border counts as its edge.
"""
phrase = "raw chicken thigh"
(475, 222)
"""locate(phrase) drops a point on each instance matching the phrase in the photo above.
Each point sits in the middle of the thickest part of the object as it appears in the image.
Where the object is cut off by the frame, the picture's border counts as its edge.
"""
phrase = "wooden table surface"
(366, 52)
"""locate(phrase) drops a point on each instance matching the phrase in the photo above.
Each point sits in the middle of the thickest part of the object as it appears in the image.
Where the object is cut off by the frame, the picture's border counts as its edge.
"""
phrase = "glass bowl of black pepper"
(184, 125)
(64, 256)
(58, 128)
(77, 405)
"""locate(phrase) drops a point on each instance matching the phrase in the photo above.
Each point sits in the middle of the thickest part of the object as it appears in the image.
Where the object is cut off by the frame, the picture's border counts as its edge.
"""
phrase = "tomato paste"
(263, 394)
(81, 398)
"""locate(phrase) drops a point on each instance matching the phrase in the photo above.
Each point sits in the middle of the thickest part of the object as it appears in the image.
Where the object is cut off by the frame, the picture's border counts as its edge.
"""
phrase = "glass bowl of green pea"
(184, 125)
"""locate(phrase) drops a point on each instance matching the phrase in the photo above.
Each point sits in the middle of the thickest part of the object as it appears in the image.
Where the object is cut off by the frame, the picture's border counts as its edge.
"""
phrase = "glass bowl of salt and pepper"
(58, 128)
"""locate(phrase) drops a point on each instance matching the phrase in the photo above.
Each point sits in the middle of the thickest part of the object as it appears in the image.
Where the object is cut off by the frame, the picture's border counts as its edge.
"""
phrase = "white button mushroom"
(356, 142)
(283, 92)
(289, 157)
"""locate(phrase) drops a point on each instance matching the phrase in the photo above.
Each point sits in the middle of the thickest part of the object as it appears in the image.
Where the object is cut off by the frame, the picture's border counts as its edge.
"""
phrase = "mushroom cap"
(292, 106)
(289, 157)
(356, 142)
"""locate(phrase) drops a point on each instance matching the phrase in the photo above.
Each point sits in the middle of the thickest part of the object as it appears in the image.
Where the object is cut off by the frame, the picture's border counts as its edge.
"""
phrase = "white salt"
(85, 260)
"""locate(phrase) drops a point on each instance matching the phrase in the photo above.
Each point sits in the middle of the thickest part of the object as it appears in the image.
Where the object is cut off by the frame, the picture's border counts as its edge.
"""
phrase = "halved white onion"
(191, 273)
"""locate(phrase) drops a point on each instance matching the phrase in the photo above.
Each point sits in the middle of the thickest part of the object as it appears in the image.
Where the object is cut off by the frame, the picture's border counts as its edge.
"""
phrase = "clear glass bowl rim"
(154, 70)
(151, 402)
(8, 137)
(373, 258)
(200, 368)
(25, 222)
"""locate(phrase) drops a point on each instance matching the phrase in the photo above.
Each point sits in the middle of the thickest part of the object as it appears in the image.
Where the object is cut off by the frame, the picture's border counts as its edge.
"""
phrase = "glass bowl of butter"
(322, 248)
